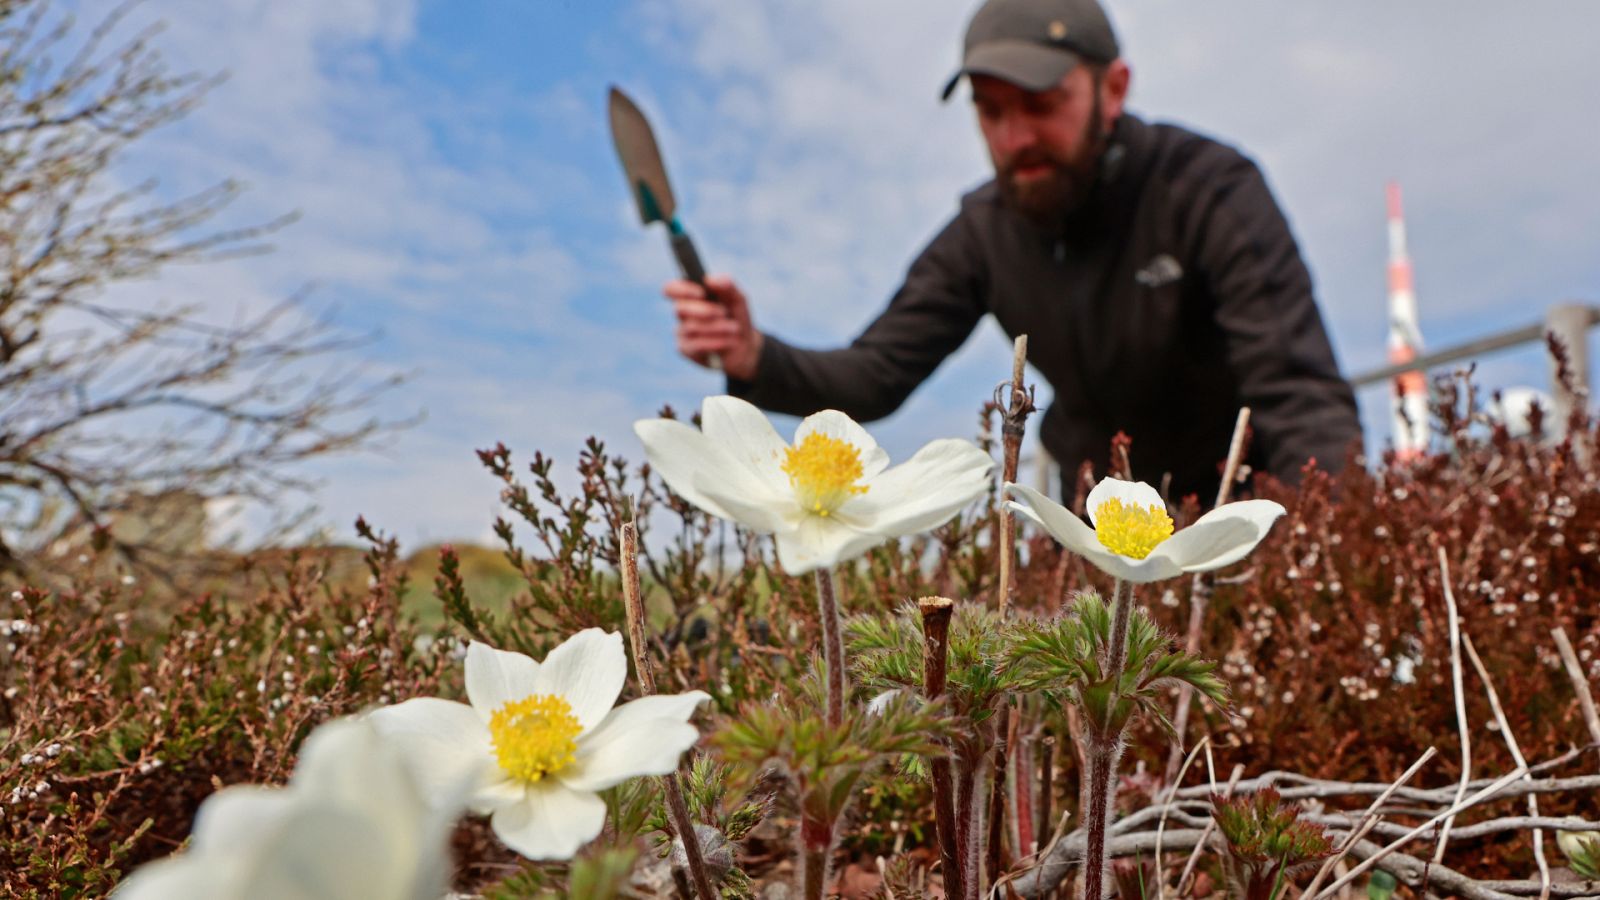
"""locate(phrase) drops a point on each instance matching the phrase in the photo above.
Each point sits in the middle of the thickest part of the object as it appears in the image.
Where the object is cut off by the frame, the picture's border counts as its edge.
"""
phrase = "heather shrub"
(123, 706)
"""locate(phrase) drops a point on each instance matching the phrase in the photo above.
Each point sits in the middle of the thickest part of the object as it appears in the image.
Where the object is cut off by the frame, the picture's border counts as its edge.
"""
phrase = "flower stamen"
(823, 471)
(535, 736)
(1131, 531)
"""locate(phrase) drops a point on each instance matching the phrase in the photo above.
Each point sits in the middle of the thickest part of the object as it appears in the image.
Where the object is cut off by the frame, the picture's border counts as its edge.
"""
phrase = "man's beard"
(1050, 197)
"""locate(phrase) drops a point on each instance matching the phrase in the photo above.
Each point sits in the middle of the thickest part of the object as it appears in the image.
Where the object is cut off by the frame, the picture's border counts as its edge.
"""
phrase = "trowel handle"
(689, 259)
(695, 271)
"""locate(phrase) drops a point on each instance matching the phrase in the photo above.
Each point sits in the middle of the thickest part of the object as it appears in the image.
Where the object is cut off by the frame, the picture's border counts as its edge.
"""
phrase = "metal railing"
(1567, 322)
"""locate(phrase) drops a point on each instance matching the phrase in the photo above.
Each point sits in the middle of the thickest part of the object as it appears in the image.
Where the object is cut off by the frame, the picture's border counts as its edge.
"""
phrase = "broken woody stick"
(677, 808)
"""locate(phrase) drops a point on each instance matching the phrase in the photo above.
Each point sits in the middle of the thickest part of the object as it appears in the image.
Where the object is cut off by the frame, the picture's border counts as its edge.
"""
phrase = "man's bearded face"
(1045, 145)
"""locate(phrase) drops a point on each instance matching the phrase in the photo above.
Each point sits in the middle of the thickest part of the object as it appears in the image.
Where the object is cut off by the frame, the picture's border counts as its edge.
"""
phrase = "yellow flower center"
(534, 736)
(1131, 531)
(823, 471)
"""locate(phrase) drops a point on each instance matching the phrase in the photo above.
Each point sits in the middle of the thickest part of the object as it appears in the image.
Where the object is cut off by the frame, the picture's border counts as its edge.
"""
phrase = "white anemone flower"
(1132, 536)
(545, 738)
(826, 498)
(352, 823)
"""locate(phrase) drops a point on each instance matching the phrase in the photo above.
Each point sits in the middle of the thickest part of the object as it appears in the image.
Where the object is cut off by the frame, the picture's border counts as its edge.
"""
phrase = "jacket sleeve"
(1301, 407)
(929, 317)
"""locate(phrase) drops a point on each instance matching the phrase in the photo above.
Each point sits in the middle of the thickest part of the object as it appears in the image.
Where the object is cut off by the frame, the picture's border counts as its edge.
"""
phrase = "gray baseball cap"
(1034, 43)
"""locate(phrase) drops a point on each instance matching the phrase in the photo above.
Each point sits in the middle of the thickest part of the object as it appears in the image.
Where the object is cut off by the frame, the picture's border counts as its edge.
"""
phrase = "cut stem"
(1013, 422)
(1018, 405)
(677, 807)
(936, 612)
(967, 820)
(816, 840)
(832, 645)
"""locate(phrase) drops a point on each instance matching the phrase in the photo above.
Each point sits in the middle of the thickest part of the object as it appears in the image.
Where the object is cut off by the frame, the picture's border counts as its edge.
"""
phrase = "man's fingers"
(699, 311)
(723, 334)
(683, 289)
(725, 291)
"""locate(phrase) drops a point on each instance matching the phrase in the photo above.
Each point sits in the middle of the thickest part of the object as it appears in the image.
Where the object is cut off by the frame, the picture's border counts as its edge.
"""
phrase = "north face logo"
(1161, 270)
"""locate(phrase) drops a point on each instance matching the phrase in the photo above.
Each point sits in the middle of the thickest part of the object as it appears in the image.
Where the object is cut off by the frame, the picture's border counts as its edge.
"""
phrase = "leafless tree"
(106, 400)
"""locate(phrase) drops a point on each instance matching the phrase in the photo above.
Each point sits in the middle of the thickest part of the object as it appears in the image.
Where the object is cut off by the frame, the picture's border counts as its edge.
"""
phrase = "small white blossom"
(545, 738)
(1132, 536)
(829, 497)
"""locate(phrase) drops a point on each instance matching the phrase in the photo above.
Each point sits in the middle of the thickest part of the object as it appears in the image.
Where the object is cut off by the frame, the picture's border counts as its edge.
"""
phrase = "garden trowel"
(647, 181)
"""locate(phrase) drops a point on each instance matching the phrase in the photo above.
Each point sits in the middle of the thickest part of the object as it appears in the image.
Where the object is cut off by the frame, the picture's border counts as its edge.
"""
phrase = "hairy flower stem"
(1097, 790)
(677, 807)
(936, 612)
(832, 645)
(1104, 748)
(1121, 611)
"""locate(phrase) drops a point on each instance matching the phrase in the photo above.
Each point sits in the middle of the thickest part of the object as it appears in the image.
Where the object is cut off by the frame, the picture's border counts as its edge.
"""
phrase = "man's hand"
(721, 325)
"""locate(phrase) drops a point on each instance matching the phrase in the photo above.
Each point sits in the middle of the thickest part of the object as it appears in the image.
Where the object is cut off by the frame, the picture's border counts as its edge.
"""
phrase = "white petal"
(1221, 537)
(497, 677)
(554, 823)
(1079, 538)
(185, 876)
(587, 670)
(820, 542)
(746, 435)
(236, 816)
(1134, 571)
(1062, 524)
(923, 492)
(501, 793)
(644, 737)
(443, 742)
(836, 424)
(328, 852)
(763, 510)
(1131, 493)
(679, 453)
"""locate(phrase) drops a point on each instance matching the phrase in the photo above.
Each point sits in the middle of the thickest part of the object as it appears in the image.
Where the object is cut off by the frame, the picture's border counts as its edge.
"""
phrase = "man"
(1150, 267)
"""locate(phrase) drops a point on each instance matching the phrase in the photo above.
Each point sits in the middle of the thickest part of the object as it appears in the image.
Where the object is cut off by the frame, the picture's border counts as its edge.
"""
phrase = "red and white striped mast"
(1409, 405)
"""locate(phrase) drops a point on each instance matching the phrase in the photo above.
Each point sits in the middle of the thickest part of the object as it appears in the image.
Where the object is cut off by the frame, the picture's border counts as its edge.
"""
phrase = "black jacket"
(1175, 295)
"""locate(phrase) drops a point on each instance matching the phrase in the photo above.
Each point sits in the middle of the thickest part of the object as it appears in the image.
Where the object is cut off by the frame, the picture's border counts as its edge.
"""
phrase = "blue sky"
(459, 200)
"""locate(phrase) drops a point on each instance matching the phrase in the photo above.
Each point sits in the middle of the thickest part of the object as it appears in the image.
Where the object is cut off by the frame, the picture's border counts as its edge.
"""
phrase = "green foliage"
(825, 763)
(886, 652)
(1267, 842)
(452, 593)
(601, 873)
(706, 784)
(1381, 886)
(705, 792)
(601, 876)
(633, 807)
(1066, 657)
